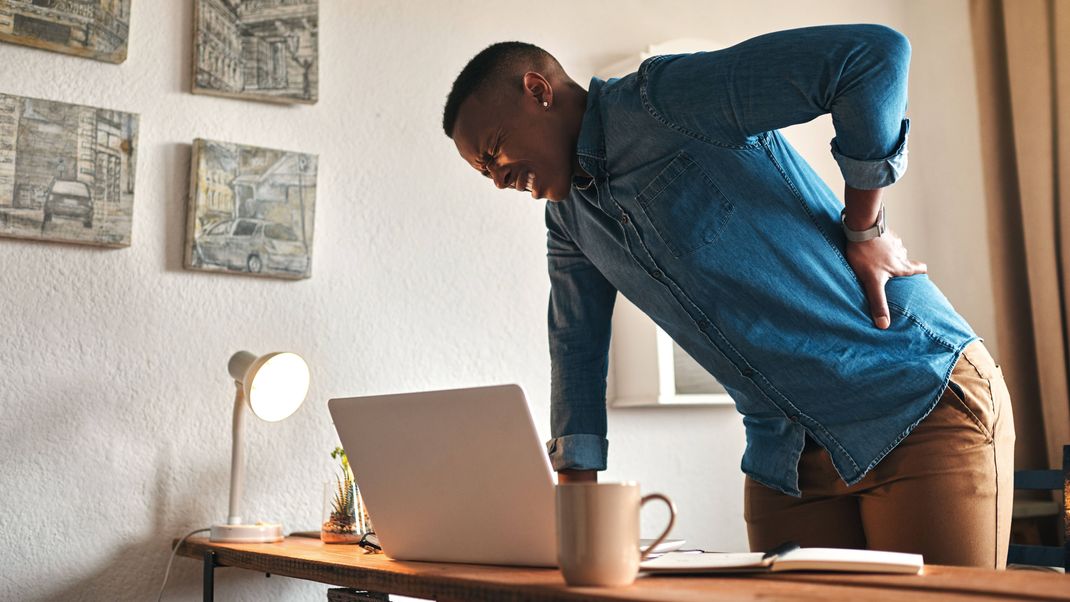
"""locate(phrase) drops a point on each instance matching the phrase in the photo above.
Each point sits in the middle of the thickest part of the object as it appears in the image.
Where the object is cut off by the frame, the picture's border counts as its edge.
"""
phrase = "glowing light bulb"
(279, 386)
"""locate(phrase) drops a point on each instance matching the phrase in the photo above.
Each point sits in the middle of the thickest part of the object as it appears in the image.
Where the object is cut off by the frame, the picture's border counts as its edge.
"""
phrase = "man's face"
(516, 142)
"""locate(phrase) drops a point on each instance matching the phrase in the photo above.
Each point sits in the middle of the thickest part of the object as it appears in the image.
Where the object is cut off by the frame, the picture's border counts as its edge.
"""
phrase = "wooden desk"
(348, 566)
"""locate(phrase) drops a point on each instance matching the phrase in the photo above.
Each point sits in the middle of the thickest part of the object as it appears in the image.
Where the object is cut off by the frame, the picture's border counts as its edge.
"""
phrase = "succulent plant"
(343, 515)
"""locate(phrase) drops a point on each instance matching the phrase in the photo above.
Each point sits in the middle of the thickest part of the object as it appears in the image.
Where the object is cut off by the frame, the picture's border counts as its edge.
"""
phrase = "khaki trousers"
(944, 492)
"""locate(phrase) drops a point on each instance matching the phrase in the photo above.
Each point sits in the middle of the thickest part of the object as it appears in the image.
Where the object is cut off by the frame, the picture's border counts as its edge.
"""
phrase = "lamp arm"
(237, 455)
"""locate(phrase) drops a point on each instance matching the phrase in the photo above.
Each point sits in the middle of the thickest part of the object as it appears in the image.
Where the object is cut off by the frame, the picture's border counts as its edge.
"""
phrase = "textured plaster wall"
(114, 398)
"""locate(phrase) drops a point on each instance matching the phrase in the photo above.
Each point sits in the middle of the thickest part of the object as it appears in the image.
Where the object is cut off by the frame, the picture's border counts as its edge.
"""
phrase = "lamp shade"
(275, 384)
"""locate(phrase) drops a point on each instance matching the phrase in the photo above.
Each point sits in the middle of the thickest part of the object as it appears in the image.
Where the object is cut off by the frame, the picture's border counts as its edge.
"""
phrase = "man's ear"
(537, 89)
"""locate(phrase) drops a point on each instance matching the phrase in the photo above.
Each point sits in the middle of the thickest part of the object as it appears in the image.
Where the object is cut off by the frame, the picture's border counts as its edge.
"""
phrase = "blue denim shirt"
(701, 214)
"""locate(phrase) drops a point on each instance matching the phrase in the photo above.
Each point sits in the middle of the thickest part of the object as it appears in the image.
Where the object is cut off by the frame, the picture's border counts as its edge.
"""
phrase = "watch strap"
(870, 233)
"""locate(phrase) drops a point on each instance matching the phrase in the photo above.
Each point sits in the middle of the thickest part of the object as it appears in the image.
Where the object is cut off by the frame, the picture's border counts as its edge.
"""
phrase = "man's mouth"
(526, 183)
(531, 184)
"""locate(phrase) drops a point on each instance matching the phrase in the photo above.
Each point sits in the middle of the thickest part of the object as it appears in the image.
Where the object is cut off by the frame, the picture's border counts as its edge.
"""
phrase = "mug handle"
(672, 521)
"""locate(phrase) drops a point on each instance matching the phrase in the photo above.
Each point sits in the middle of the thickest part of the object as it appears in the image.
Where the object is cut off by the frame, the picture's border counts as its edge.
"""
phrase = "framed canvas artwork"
(251, 210)
(257, 49)
(66, 171)
(96, 29)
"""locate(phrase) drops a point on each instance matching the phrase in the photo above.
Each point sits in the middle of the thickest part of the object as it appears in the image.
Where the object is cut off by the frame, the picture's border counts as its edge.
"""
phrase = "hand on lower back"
(875, 262)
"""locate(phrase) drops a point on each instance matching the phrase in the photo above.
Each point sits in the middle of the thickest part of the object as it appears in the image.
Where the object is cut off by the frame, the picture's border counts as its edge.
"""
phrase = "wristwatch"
(863, 235)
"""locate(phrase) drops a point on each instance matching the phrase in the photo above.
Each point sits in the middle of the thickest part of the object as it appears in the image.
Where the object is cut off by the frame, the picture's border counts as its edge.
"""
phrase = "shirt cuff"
(578, 452)
(870, 174)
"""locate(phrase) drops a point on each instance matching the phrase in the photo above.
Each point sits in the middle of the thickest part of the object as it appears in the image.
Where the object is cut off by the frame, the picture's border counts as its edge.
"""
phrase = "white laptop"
(452, 476)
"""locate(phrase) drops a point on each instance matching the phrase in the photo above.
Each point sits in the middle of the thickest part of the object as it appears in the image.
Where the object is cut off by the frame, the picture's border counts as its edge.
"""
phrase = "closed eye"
(490, 158)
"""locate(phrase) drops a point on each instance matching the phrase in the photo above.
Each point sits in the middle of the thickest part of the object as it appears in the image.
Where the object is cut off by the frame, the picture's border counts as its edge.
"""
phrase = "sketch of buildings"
(97, 29)
(257, 49)
(66, 171)
(251, 210)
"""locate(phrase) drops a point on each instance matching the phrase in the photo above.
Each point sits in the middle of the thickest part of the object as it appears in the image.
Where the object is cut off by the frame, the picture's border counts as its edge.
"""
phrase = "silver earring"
(546, 104)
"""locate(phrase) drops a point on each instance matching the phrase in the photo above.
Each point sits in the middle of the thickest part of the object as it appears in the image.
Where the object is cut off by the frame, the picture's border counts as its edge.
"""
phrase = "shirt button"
(624, 219)
(656, 273)
(748, 372)
(793, 418)
(703, 324)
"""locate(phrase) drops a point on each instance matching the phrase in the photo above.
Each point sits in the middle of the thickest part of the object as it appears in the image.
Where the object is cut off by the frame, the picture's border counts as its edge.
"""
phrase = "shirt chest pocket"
(685, 207)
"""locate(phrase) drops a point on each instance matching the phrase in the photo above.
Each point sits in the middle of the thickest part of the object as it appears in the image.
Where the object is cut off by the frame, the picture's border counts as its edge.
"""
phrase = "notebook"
(789, 558)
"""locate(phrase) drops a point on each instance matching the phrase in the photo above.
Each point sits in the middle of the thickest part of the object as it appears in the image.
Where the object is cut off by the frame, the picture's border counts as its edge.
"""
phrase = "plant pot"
(343, 523)
(330, 534)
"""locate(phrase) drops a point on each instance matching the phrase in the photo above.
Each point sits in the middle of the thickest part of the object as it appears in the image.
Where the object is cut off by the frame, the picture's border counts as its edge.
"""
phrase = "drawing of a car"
(69, 198)
(251, 245)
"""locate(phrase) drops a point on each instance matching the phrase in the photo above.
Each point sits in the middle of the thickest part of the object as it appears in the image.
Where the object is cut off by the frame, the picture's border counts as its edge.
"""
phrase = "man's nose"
(501, 178)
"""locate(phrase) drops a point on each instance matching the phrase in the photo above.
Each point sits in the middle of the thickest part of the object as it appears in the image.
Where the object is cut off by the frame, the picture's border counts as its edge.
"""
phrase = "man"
(874, 415)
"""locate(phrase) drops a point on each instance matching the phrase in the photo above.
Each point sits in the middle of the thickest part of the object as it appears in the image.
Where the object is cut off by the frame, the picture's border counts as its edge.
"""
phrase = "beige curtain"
(1022, 53)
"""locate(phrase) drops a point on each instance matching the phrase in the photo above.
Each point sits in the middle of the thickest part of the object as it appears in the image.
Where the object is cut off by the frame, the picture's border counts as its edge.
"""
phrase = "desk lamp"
(273, 386)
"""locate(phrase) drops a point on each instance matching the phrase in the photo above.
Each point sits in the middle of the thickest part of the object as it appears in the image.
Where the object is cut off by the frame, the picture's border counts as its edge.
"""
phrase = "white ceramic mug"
(598, 532)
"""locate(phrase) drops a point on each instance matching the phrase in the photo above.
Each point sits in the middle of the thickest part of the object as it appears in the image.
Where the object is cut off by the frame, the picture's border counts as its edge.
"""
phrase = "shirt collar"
(591, 145)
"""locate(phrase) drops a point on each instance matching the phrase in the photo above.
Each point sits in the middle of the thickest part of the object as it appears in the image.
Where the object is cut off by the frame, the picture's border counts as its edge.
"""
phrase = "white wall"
(115, 415)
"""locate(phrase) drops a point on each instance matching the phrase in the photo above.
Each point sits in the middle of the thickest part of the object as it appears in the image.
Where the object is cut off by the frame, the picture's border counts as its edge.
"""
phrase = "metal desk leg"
(209, 576)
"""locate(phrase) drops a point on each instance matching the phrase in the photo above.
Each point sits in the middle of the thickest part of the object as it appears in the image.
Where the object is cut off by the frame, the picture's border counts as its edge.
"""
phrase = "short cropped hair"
(494, 67)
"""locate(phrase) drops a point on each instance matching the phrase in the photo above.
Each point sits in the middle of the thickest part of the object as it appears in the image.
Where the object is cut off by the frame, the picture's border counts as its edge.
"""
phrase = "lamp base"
(258, 533)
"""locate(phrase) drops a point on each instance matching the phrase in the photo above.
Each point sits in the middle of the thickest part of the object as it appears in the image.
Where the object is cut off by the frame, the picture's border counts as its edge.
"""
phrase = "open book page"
(690, 562)
(837, 559)
(800, 559)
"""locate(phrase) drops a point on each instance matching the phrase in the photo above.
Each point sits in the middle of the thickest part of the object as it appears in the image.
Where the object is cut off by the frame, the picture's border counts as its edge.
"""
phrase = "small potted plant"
(345, 519)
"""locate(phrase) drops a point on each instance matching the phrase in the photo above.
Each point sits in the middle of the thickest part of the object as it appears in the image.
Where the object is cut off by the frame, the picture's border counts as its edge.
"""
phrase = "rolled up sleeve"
(870, 174)
(579, 317)
(578, 452)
